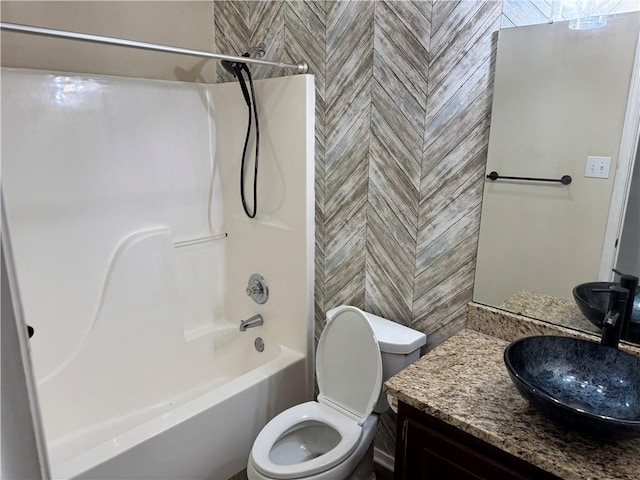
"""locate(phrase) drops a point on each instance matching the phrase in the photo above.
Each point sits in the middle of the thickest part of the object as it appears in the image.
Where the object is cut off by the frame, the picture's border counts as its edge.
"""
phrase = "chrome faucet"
(254, 321)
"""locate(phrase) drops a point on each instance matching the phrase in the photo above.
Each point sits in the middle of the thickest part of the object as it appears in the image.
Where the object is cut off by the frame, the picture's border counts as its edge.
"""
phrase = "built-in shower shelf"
(196, 241)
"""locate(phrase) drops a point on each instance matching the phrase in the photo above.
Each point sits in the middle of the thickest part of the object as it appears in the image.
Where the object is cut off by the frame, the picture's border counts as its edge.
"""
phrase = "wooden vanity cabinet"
(429, 449)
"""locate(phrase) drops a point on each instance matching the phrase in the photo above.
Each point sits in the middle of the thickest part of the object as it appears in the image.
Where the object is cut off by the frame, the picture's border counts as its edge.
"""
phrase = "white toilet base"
(364, 470)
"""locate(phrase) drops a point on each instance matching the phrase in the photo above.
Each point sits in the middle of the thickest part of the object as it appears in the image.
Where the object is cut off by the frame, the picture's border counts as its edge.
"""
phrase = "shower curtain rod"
(300, 67)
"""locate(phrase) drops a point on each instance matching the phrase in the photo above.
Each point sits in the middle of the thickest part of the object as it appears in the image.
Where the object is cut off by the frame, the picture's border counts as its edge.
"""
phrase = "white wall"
(186, 24)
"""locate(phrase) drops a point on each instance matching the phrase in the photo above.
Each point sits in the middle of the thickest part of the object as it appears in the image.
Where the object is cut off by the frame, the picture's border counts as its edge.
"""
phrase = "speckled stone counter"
(551, 309)
(510, 326)
(464, 382)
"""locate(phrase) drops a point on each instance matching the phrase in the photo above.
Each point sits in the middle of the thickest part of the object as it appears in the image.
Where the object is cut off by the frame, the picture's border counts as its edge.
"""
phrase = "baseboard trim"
(383, 459)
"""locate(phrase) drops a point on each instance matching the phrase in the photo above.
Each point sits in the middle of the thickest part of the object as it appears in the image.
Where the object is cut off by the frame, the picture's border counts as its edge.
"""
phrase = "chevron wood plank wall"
(233, 35)
(399, 102)
(349, 50)
(403, 103)
(453, 160)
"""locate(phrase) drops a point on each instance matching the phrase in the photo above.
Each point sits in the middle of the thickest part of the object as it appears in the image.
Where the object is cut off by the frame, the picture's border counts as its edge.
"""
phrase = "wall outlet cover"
(598, 167)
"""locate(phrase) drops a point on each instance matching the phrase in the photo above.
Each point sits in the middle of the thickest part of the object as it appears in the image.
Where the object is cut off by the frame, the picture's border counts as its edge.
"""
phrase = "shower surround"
(132, 256)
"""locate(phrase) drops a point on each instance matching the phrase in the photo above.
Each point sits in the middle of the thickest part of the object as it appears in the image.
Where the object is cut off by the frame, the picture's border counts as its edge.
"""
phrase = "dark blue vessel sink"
(577, 383)
(593, 305)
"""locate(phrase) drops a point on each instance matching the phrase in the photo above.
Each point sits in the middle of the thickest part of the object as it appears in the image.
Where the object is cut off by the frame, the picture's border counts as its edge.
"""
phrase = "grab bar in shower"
(565, 180)
(196, 241)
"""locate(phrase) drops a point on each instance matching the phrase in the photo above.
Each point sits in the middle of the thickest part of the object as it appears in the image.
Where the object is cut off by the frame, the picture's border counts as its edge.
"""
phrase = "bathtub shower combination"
(132, 256)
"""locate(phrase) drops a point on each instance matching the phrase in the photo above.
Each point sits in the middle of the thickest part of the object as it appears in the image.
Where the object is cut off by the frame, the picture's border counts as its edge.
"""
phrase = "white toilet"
(332, 438)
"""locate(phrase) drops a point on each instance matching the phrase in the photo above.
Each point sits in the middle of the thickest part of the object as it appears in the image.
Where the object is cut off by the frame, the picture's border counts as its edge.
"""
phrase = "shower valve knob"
(257, 288)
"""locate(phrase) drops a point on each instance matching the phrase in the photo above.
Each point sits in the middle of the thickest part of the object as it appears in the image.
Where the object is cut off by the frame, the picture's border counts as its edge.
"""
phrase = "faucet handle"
(257, 288)
(624, 276)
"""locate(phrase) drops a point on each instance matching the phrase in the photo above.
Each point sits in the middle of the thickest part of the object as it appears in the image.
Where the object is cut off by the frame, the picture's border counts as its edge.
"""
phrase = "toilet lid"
(348, 364)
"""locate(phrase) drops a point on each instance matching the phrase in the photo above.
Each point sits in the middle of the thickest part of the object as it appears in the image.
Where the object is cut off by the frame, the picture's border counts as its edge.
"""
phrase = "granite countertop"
(464, 382)
(551, 309)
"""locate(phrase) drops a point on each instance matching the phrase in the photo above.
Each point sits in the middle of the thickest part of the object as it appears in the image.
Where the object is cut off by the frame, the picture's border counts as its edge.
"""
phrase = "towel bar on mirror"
(565, 180)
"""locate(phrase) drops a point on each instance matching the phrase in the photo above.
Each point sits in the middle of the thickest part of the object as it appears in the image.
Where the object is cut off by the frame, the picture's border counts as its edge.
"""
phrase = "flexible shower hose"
(250, 99)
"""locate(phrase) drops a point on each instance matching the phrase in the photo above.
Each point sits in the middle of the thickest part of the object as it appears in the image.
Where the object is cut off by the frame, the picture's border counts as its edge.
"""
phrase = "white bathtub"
(194, 434)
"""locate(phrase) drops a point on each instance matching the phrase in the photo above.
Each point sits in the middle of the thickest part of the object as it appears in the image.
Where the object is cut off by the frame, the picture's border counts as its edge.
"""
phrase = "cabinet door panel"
(429, 449)
(431, 455)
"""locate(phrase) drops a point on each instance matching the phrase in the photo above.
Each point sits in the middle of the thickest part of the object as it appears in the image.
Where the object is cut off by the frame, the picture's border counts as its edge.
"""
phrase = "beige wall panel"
(186, 24)
(560, 95)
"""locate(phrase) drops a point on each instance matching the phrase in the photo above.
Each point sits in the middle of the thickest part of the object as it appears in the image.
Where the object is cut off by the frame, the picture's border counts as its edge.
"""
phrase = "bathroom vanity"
(460, 416)
(431, 448)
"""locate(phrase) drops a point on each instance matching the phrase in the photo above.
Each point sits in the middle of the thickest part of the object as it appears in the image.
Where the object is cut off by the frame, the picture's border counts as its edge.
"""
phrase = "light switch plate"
(598, 167)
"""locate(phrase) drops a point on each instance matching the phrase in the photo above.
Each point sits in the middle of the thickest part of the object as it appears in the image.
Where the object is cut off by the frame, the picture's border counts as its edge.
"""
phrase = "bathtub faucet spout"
(254, 321)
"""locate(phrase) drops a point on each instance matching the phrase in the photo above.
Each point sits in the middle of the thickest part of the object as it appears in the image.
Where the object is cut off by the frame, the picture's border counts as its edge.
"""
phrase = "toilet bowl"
(297, 452)
(332, 437)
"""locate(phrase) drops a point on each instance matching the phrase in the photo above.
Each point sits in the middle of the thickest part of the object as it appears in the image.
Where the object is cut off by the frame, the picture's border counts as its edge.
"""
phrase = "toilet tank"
(399, 348)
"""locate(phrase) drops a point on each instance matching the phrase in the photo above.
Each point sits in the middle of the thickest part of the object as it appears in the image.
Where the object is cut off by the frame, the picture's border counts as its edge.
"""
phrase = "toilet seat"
(287, 421)
(349, 364)
(349, 374)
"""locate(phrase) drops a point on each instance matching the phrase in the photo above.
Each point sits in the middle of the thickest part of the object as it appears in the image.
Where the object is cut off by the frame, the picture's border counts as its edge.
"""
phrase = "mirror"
(563, 106)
